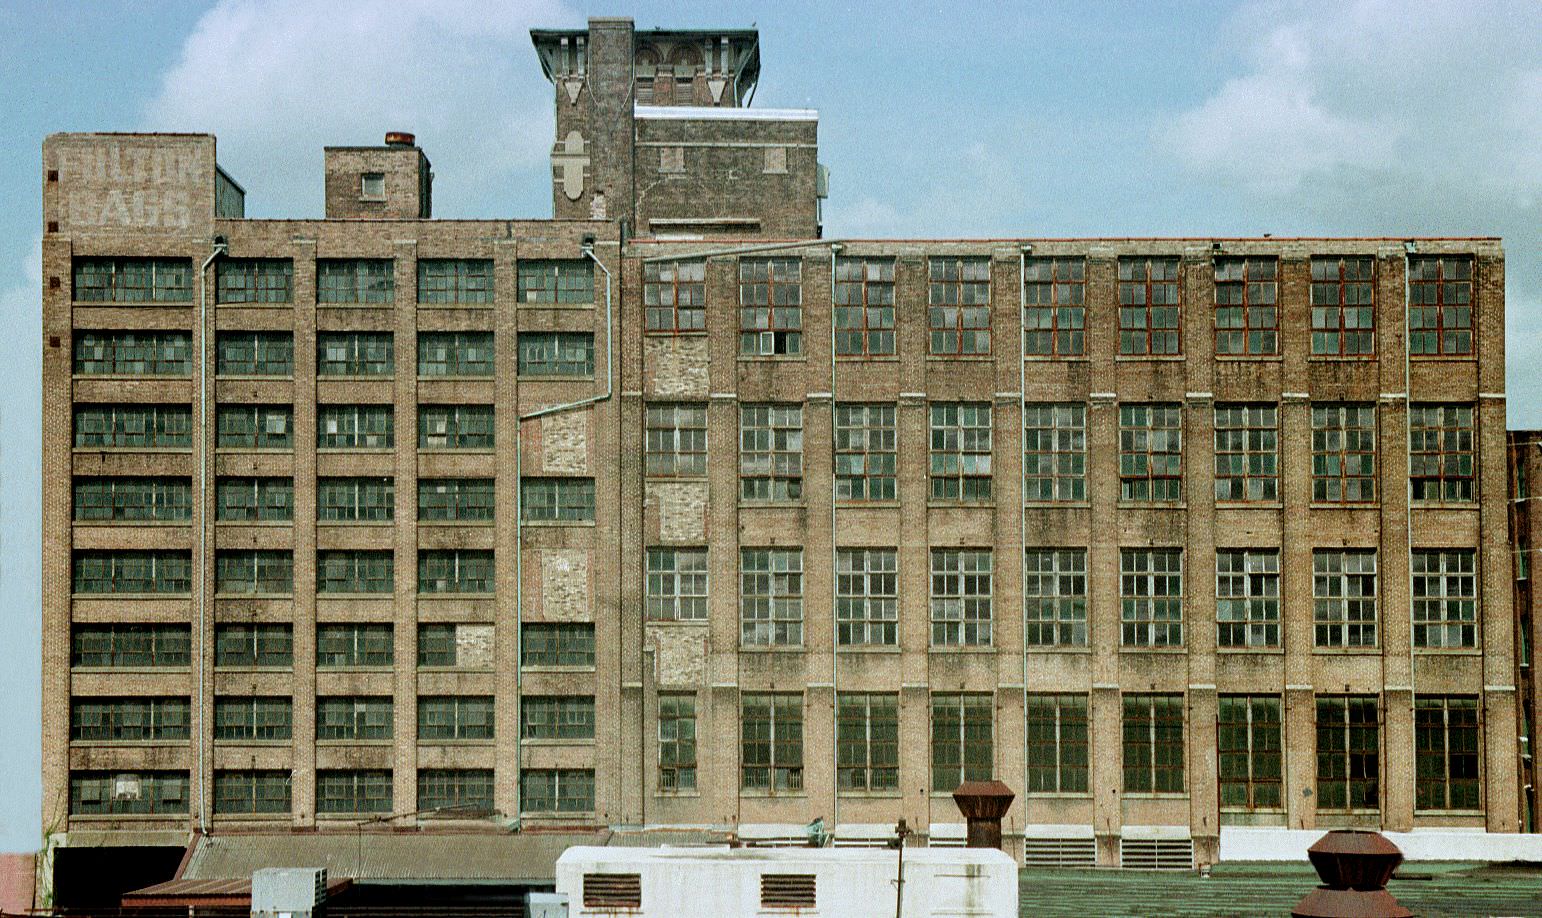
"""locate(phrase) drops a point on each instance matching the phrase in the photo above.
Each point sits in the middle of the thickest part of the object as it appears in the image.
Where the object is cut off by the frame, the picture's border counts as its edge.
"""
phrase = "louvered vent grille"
(612, 890)
(1060, 852)
(1156, 853)
(787, 890)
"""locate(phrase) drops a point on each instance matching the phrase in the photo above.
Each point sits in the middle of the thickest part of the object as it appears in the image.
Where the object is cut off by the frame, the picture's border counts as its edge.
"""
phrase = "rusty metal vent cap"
(983, 799)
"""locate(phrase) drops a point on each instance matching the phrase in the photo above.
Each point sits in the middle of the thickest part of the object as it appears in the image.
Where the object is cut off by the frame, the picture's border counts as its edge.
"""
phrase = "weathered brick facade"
(153, 196)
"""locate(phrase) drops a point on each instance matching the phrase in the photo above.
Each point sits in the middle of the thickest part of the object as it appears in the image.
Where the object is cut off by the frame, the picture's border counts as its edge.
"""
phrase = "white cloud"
(277, 81)
(1374, 116)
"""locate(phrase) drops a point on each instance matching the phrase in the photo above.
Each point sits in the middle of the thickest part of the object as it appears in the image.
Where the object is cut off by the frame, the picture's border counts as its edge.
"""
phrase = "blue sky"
(1362, 117)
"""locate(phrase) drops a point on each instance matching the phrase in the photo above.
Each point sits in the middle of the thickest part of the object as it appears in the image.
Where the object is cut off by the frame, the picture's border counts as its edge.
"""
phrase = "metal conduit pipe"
(1022, 481)
(220, 248)
(519, 511)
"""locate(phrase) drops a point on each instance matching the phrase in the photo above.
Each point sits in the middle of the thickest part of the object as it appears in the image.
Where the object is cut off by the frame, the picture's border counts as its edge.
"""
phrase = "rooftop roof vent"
(400, 139)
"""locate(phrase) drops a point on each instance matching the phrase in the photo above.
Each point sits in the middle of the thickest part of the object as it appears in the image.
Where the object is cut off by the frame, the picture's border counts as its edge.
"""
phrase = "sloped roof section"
(516, 859)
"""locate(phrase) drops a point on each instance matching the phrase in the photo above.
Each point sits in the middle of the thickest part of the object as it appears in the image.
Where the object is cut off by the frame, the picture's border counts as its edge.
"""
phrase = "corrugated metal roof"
(520, 859)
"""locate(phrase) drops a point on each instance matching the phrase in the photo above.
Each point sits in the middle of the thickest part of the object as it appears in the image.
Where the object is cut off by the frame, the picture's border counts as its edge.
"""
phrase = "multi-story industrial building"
(668, 511)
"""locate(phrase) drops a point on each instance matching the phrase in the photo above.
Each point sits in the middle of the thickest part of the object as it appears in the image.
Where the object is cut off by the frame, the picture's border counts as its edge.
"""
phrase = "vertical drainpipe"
(1410, 247)
(220, 248)
(1022, 481)
(835, 702)
(519, 513)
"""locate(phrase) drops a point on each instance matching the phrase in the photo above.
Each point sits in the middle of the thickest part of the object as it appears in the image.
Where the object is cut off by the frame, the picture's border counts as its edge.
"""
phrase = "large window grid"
(455, 570)
(1151, 597)
(354, 717)
(457, 281)
(254, 427)
(351, 645)
(455, 499)
(133, 280)
(116, 645)
(1343, 307)
(253, 500)
(1446, 753)
(959, 306)
(1247, 316)
(771, 452)
(1054, 311)
(770, 307)
(1344, 453)
(561, 354)
(1055, 596)
(1057, 744)
(557, 500)
(961, 451)
(252, 646)
(962, 743)
(557, 282)
(455, 427)
(132, 571)
(133, 353)
(133, 426)
(961, 597)
(1151, 453)
(251, 792)
(257, 353)
(355, 500)
(1055, 460)
(136, 499)
(127, 720)
(355, 571)
(349, 792)
(1249, 741)
(254, 280)
(253, 717)
(253, 571)
(1153, 744)
(867, 596)
(1344, 597)
(467, 354)
(557, 717)
(1348, 747)
(128, 793)
(1247, 597)
(866, 456)
(364, 281)
(1441, 456)
(355, 354)
(1150, 309)
(556, 790)
(467, 791)
(1440, 316)
(455, 717)
(675, 297)
(675, 440)
(867, 742)
(771, 597)
(677, 584)
(1247, 453)
(1445, 597)
(355, 427)
(771, 742)
(864, 307)
(677, 743)
(569, 644)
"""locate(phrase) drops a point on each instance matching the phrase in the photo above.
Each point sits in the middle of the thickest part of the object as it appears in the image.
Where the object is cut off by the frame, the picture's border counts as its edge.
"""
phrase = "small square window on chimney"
(671, 159)
(372, 186)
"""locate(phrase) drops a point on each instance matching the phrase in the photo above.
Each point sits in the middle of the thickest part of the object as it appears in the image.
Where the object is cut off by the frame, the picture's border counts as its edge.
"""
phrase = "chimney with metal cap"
(983, 803)
(401, 139)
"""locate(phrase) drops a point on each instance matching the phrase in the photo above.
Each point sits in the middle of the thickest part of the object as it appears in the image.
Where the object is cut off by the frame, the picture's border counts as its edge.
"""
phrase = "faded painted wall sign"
(110, 182)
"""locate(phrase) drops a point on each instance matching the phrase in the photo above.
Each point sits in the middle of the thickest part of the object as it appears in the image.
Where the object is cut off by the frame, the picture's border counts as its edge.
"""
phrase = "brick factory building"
(669, 512)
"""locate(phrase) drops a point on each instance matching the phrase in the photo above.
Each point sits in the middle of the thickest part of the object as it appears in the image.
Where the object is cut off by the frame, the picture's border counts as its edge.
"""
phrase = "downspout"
(1409, 248)
(220, 248)
(1022, 479)
(835, 698)
(519, 515)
